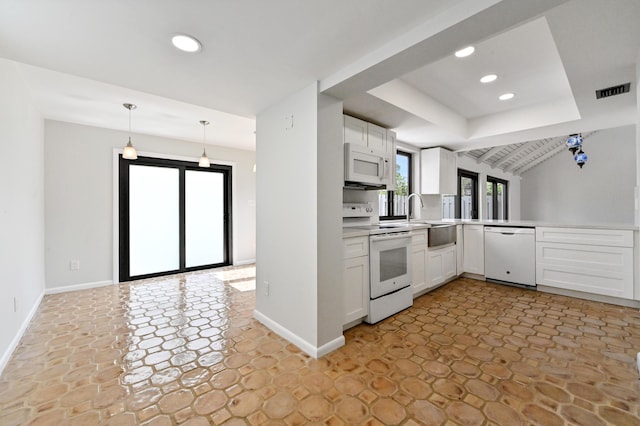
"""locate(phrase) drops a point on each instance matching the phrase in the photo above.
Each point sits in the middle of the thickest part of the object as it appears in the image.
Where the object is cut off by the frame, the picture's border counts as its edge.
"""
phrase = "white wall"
(79, 198)
(293, 235)
(21, 208)
(330, 182)
(602, 192)
(637, 189)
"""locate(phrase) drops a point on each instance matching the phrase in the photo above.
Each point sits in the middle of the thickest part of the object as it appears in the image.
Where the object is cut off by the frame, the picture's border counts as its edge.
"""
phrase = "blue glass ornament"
(580, 158)
(574, 143)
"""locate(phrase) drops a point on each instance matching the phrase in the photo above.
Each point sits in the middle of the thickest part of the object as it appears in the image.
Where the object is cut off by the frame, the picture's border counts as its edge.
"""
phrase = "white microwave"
(365, 166)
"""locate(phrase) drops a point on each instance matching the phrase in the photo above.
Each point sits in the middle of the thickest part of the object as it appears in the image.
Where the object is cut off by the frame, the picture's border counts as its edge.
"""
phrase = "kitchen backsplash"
(432, 209)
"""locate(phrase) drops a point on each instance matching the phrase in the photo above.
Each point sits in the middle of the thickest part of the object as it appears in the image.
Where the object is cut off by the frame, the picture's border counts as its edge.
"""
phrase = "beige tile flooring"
(186, 350)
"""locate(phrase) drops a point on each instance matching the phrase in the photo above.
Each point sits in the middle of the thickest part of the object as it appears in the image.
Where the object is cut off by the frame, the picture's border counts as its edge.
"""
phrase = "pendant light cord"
(204, 135)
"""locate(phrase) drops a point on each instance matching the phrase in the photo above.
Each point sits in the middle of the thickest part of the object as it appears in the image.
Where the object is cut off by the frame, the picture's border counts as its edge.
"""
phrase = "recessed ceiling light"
(488, 78)
(186, 43)
(462, 53)
(506, 96)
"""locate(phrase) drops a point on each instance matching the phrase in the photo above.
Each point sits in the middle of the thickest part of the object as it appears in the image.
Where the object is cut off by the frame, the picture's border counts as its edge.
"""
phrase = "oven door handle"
(395, 236)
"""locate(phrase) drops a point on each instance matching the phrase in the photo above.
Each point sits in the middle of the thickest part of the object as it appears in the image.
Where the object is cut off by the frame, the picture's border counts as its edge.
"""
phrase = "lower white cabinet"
(598, 261)
(355, 278)
(442, 265)
(473, 253)
(419, 262)
(459, 250)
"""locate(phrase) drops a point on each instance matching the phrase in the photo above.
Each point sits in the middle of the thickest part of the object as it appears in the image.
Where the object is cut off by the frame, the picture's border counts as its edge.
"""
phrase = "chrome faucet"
(407, 205)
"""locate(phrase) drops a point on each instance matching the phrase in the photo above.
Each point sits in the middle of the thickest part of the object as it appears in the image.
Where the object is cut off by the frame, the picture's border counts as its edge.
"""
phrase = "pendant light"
(204, 160)
(129, 152)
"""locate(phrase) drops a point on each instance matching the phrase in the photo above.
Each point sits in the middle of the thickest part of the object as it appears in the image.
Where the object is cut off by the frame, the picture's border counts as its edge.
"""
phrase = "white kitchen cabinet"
(459, 250)
(420, 262)
(391, 150)
(360, 132)
(377, 137)
(438, 171)
(355, 131)
(355, 278)
(449, 259)
(597, 261)
(442, 265)
(473, 251)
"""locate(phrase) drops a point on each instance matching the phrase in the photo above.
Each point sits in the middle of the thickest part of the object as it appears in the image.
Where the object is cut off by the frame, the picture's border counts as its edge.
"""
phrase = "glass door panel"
(489, 200)
(154, 218)
(466, 197)
(204, 218)
(501, 195)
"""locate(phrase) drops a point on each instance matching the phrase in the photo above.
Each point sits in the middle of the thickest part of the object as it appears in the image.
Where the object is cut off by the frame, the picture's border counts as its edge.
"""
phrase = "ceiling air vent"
(612, 91)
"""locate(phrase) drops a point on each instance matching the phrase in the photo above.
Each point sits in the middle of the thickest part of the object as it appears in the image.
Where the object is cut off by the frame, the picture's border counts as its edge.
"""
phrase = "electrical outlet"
(266, 288)
(74, 265)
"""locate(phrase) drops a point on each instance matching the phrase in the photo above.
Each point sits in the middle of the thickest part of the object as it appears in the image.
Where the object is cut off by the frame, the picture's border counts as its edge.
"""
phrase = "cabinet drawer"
(419, 238)
(593, 269)
(598, 237)
(355, 247)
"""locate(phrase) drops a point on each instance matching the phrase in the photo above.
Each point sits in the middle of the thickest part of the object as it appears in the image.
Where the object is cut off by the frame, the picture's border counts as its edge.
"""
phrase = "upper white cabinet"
(598, 261)
(377, 137)
(391, 149)
(355, 131)
(367, 134)
(438, 171)
(473, 252)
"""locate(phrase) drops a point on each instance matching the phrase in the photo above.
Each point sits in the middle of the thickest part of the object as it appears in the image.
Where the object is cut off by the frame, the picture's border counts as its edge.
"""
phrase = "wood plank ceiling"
(517, 158)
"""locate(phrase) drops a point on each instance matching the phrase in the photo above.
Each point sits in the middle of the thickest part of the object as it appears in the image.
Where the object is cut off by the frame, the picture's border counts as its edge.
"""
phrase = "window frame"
(494, 181)
(462, 173)
(388, 215)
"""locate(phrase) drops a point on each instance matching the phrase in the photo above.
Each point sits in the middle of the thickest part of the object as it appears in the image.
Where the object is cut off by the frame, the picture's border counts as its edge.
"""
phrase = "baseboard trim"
(244, 262)
(590, 296)
(473, 276)
(330, 346)
(76, 287)
(306, 347)
(6, 356)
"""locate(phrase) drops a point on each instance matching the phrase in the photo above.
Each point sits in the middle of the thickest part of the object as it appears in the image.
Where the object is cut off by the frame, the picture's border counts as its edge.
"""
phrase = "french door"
(174, 217)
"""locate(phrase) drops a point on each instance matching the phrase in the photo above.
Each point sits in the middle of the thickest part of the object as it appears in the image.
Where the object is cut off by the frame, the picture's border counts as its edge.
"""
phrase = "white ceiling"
(84, 58)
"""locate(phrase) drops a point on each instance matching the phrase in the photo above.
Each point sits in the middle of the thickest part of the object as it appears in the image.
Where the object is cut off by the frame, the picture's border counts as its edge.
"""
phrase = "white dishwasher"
(510, 255)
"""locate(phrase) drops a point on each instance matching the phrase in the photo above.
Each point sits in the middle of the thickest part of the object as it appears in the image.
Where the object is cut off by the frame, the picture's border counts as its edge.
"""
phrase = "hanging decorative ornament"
(580, 158)
(574, 143)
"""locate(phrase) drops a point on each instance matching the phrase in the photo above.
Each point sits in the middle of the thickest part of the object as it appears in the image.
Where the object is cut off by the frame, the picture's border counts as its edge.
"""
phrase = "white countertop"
(349, 232)
(533, 223)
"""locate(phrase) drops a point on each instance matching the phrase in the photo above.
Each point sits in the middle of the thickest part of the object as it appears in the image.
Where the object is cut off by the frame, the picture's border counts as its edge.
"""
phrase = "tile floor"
(185, 350)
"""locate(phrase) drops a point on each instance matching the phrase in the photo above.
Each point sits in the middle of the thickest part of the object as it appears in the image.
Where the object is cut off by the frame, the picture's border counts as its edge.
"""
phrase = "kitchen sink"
(442, 234)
